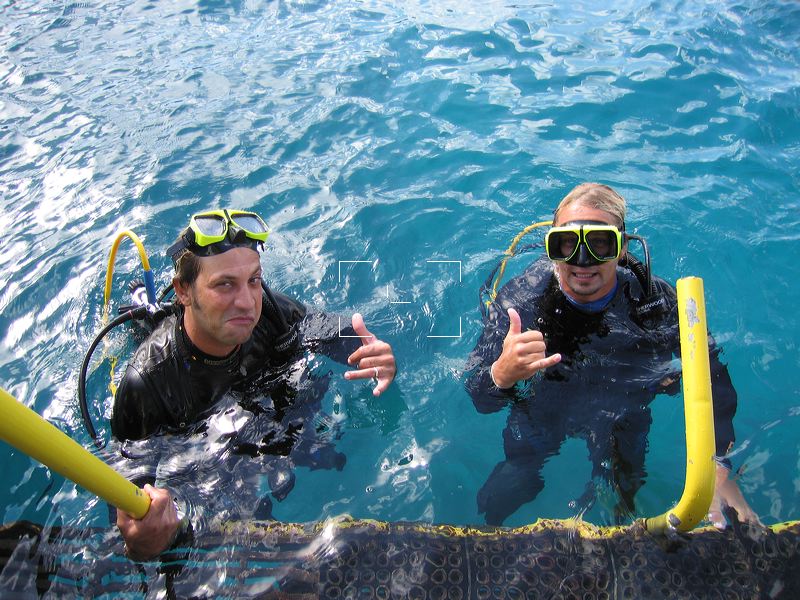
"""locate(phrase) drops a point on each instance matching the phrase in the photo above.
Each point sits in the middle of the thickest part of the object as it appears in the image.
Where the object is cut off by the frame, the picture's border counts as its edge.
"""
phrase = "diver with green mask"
(230, 332)
(578, 346)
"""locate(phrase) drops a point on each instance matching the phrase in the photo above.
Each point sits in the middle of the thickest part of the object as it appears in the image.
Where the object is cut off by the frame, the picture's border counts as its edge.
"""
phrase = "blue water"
(398, 134)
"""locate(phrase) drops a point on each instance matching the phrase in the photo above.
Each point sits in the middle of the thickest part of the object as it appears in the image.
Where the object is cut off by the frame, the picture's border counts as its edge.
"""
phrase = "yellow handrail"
(29, 433)
(699, 413)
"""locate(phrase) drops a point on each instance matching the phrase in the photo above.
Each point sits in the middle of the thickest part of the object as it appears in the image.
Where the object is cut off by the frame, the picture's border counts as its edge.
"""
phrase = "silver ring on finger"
(376, 373)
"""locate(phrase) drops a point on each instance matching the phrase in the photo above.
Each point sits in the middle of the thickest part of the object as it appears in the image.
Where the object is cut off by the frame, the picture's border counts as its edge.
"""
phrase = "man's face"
(586, 284)
(224, 303)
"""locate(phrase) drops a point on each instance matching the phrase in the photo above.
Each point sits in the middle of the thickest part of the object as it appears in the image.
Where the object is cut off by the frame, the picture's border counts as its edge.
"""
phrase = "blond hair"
(595, 195)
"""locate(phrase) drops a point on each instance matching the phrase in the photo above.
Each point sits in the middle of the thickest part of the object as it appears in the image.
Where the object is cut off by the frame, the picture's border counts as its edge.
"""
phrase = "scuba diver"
(228, 332)
(579, 346)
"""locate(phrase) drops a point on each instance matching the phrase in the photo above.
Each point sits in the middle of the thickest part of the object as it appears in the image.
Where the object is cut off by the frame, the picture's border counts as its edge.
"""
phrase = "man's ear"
(182, 291)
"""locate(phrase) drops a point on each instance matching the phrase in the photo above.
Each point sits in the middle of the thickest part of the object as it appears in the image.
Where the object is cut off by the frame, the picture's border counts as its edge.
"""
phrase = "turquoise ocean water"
(418, 137)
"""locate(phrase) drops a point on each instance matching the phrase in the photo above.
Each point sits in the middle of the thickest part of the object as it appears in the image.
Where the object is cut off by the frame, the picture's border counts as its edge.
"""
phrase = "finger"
(361, 329)
(123, 520)
(717, 519)
(528, 349)
(546, 362)
(376, 353)
(368, 361)
(515, 323)
(361, 373)
(367, 339)
(531, 335)
(159, 498)
(383, 383)
(151, 491)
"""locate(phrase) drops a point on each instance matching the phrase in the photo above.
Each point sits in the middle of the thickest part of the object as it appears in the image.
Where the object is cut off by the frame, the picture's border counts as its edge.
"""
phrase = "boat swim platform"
(351, 558)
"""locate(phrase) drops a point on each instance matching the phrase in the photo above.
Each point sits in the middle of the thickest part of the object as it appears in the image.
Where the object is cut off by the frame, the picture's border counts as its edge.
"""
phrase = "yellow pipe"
(699, 413)
(29, 433)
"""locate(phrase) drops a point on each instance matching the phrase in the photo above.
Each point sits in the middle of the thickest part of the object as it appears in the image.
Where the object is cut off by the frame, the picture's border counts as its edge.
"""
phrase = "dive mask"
(584, 243)
(217, 231)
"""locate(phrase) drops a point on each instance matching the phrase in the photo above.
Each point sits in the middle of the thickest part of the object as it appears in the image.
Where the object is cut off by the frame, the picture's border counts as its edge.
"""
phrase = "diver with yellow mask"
(578, 346)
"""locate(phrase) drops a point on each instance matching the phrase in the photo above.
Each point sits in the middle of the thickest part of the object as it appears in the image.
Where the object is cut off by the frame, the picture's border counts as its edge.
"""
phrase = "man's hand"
(728, 493)
(523, 354)
(374, 360)
(149, 536)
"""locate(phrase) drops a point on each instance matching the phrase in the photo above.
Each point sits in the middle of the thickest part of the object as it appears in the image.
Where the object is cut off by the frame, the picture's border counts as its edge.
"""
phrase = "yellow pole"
(28, 432)
(699, 413)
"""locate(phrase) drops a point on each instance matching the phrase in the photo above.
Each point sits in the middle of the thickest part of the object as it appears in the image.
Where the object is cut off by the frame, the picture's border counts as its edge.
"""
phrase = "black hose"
(165, 293)
(642, 271)
(136, 313)
(274, 304)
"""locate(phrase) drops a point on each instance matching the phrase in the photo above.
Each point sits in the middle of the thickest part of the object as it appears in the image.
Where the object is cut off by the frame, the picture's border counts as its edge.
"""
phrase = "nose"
(246, 298)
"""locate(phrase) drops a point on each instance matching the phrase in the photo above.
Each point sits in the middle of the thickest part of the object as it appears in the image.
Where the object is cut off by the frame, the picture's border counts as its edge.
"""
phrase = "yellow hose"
(510, 252)
(110, 268)
(29, 433)
(149, 284)
(699, 413)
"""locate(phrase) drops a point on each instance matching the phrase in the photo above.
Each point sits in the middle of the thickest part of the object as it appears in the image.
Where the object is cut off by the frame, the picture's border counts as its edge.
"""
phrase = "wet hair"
(595, 195)
(187, 268)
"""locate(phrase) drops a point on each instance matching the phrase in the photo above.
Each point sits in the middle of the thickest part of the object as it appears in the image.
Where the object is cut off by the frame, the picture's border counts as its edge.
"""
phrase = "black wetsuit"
(169, 385)
(611, 369)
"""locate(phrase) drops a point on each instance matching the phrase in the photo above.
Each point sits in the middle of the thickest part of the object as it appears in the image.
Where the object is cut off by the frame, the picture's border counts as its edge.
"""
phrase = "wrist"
(498, 383)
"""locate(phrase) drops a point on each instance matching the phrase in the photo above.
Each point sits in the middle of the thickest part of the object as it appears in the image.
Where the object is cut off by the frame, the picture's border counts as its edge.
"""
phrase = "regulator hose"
(135, 313)
(642, 271)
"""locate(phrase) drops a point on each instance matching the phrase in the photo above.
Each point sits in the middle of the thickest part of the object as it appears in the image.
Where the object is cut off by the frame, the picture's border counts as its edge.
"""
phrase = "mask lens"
(211, 225)
(603, 244)
(249, 222)
(561, 244)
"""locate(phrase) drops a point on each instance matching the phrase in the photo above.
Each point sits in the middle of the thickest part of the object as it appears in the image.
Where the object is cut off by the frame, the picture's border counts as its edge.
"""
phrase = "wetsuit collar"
(188, 349)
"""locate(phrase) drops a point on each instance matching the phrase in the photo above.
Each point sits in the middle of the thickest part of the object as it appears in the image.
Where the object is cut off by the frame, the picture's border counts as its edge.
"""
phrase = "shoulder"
(664, 286)
(276, 334)
(157, 347)
(634, 285)
(153, 365)
(137, 410)
(655, 311)
(287, 308)
(532, 283)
